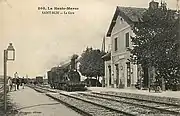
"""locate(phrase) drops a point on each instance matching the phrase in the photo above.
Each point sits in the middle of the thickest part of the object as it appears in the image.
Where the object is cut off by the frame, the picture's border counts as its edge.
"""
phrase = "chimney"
(153, 5)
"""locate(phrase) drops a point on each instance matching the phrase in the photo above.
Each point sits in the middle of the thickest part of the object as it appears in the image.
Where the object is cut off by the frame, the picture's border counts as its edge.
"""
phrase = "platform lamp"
(9, 54)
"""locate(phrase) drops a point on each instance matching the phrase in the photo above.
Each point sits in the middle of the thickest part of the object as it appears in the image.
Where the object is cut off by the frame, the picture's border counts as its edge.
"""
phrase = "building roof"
(134, 14)
(129, 14)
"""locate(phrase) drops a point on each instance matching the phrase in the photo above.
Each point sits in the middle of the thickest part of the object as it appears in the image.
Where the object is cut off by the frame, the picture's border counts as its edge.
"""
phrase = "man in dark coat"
(14, 83)
(23, 82)
(18, 82)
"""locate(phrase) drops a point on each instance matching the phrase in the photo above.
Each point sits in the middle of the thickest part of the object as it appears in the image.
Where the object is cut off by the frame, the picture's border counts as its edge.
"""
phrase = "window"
(115, 44)
(127, 39)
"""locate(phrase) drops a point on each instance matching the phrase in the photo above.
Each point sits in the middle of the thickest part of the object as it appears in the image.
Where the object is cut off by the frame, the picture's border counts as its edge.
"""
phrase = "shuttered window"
(115, 44)
(127, 39)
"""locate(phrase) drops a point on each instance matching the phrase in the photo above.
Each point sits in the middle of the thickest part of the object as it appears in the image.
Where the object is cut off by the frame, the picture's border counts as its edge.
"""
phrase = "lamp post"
(9, 54)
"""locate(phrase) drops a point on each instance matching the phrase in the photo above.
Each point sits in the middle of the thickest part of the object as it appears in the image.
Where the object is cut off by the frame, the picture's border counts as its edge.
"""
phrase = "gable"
(120, 25)
(129, 14)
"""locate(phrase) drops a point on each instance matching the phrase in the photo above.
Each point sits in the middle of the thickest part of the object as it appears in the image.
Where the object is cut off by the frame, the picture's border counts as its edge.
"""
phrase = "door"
(128, 74)
(117, 75)
(109, 68)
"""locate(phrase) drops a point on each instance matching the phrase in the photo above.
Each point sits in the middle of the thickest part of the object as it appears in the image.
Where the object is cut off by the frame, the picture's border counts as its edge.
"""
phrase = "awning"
(106, 57)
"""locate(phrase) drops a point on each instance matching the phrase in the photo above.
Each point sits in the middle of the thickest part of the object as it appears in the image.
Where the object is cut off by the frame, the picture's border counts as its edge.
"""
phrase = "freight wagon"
(39, 80)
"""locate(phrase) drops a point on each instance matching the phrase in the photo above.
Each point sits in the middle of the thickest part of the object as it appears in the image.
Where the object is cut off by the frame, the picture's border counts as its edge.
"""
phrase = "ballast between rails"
(114, 95)
(70, 106)
(169, 110)
(41, 90)
(79, 110)
(156, 108)
(118, 111)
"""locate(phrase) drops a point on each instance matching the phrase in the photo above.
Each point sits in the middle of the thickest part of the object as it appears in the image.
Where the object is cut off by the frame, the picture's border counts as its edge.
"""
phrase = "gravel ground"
(145, 103)
(147, 97)
(87, 107)
(129, 108)
(10, 108)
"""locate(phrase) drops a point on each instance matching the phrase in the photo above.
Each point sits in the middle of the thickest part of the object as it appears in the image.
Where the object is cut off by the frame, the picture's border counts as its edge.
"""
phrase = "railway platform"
(169, 94)
(168, 97)
(28, 102)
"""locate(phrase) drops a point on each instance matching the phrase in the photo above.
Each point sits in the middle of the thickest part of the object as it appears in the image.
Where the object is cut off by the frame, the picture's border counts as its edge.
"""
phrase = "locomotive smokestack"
(73, 62)
(153, 5)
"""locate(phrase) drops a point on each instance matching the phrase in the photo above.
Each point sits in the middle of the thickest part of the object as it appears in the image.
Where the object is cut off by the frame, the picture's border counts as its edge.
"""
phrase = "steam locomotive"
(66, 77)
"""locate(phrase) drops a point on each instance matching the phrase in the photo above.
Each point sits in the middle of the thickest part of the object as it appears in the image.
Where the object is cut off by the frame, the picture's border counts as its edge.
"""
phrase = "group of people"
(15, 83)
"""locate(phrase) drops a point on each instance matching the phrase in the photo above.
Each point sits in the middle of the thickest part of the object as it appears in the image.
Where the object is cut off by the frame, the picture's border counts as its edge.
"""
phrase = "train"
(66, 77)
(39, 80)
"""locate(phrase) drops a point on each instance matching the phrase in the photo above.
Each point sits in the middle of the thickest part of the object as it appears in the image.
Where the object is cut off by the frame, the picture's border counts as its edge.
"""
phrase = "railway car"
(31, 80)
(49, 73)
(55, 77)
(39, 80)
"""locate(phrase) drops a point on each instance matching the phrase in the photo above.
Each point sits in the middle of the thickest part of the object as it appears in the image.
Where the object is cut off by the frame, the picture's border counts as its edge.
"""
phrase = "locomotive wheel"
(68, 89)
(65, 88)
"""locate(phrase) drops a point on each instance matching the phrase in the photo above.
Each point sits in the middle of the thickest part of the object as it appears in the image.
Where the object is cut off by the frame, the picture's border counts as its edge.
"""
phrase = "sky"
(42, 41)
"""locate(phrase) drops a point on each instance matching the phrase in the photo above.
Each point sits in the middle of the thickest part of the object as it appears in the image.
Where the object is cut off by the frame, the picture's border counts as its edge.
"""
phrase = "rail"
(85, 102)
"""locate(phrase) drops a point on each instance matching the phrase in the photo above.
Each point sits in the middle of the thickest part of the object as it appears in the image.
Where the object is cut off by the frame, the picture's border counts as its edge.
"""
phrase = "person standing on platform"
(23, 82)
(18, 82)
(14, 83)
(9, 83)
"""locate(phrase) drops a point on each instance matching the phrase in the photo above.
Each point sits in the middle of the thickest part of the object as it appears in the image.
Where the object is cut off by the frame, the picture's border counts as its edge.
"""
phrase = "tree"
(156, 43)
(91, 63)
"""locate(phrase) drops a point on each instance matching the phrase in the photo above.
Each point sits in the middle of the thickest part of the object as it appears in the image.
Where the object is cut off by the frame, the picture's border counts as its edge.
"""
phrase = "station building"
(119, 71)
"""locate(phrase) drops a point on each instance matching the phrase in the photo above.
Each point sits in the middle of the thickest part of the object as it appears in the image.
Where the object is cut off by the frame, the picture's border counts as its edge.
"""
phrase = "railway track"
(128, 96)
(172, 109)
(103, 104)
(84, 106)
(169, 107)
(1, 91)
